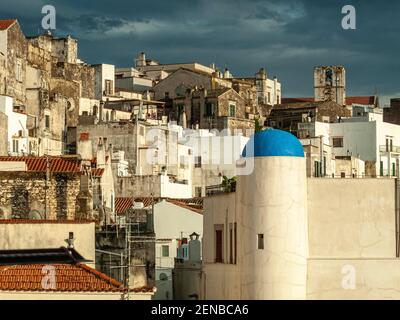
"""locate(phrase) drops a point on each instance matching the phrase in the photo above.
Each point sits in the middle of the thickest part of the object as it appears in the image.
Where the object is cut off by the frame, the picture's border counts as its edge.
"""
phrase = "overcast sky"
(288, 37)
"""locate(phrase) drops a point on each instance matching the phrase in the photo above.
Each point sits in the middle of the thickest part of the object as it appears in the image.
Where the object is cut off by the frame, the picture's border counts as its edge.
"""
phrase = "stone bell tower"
(330, 84)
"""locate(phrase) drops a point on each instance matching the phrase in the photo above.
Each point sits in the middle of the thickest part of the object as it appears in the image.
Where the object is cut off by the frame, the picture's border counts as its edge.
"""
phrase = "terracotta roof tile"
(124, 203)
(294, 100)
(349, 100)
(31, 221)
(360, 100)
(5, 24)
(97, 172)
(69, 277)
(57, 164)
(178, 202)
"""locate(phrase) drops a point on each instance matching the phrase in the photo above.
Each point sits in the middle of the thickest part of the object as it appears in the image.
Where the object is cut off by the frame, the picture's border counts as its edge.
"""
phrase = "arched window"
(95, 110)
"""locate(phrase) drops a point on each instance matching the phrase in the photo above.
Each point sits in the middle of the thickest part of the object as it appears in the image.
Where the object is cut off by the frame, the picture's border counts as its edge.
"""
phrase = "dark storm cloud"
(287, 37)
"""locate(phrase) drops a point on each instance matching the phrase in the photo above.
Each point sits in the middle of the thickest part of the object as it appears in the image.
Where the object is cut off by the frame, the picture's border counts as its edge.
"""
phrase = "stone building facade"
(392, 114)
(13, 47)
(26, 195)
(46, 80)
(52, 188)
(288, 116)
(330, 84)
(219, 109)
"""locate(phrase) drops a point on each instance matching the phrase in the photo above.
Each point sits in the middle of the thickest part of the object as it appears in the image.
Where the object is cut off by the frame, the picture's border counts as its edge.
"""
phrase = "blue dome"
(273, 143)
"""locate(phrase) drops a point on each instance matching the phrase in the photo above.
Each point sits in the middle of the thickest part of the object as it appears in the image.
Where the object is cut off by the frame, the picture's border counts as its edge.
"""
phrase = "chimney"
(141, 60)
(70, 240)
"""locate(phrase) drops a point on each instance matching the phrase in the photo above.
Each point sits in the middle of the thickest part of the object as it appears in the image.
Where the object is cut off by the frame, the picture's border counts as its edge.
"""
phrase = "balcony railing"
(388, 148)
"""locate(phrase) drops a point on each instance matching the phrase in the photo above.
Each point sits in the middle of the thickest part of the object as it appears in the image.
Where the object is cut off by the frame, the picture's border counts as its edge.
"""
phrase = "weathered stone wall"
(122, 137)
(72, 81)
(225, 100)
(16, 55)
(3, 75)
(330, 84)
(23, 192)
(392, 114)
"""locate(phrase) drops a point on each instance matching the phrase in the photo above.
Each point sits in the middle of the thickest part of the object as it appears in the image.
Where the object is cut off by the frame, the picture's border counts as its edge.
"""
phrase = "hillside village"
(128, 182)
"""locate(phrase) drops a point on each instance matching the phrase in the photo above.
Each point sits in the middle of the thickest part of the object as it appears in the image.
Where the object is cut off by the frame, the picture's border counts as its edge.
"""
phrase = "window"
(47, 121)
(381, 168)
(15, 146)
(219, 244)
(393, 169)
(232, 110)
(260, 241)
(198, 191)
(183, 162)
(95, 110)
(337, 142)
(180, 108)
(389, 145)
(317, 169)
(165, 251)
(109, 87)
(197, 162)
(232, 243)
(269, 97)
(163, 276)
(209, 110)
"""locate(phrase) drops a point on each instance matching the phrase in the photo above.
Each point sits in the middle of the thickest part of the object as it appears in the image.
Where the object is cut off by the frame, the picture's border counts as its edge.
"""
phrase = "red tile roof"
(124, 203)
(97, 172)
(349, 100)
(360, 100)
(68, 278)
(57, 164)
(294, 100)
(5, 24)
(32, 221)
(184, 205)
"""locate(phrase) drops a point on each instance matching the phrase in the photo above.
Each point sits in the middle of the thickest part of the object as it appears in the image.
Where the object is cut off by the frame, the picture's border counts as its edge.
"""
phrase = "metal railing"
(388, 148)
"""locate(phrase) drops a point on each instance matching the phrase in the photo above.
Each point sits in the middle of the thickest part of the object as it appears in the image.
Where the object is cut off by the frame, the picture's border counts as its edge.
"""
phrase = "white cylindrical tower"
(272, 216)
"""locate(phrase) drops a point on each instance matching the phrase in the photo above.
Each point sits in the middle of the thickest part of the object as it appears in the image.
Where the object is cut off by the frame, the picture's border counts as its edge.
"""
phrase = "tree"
(228, 184)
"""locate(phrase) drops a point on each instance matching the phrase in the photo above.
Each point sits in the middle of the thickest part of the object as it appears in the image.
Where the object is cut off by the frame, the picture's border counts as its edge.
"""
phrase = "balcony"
(388, 148)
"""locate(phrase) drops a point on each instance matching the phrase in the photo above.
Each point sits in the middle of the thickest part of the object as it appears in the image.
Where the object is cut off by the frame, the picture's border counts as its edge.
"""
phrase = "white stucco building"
(18, 139)
(174, 221)
(282, 235)
(366, 137)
